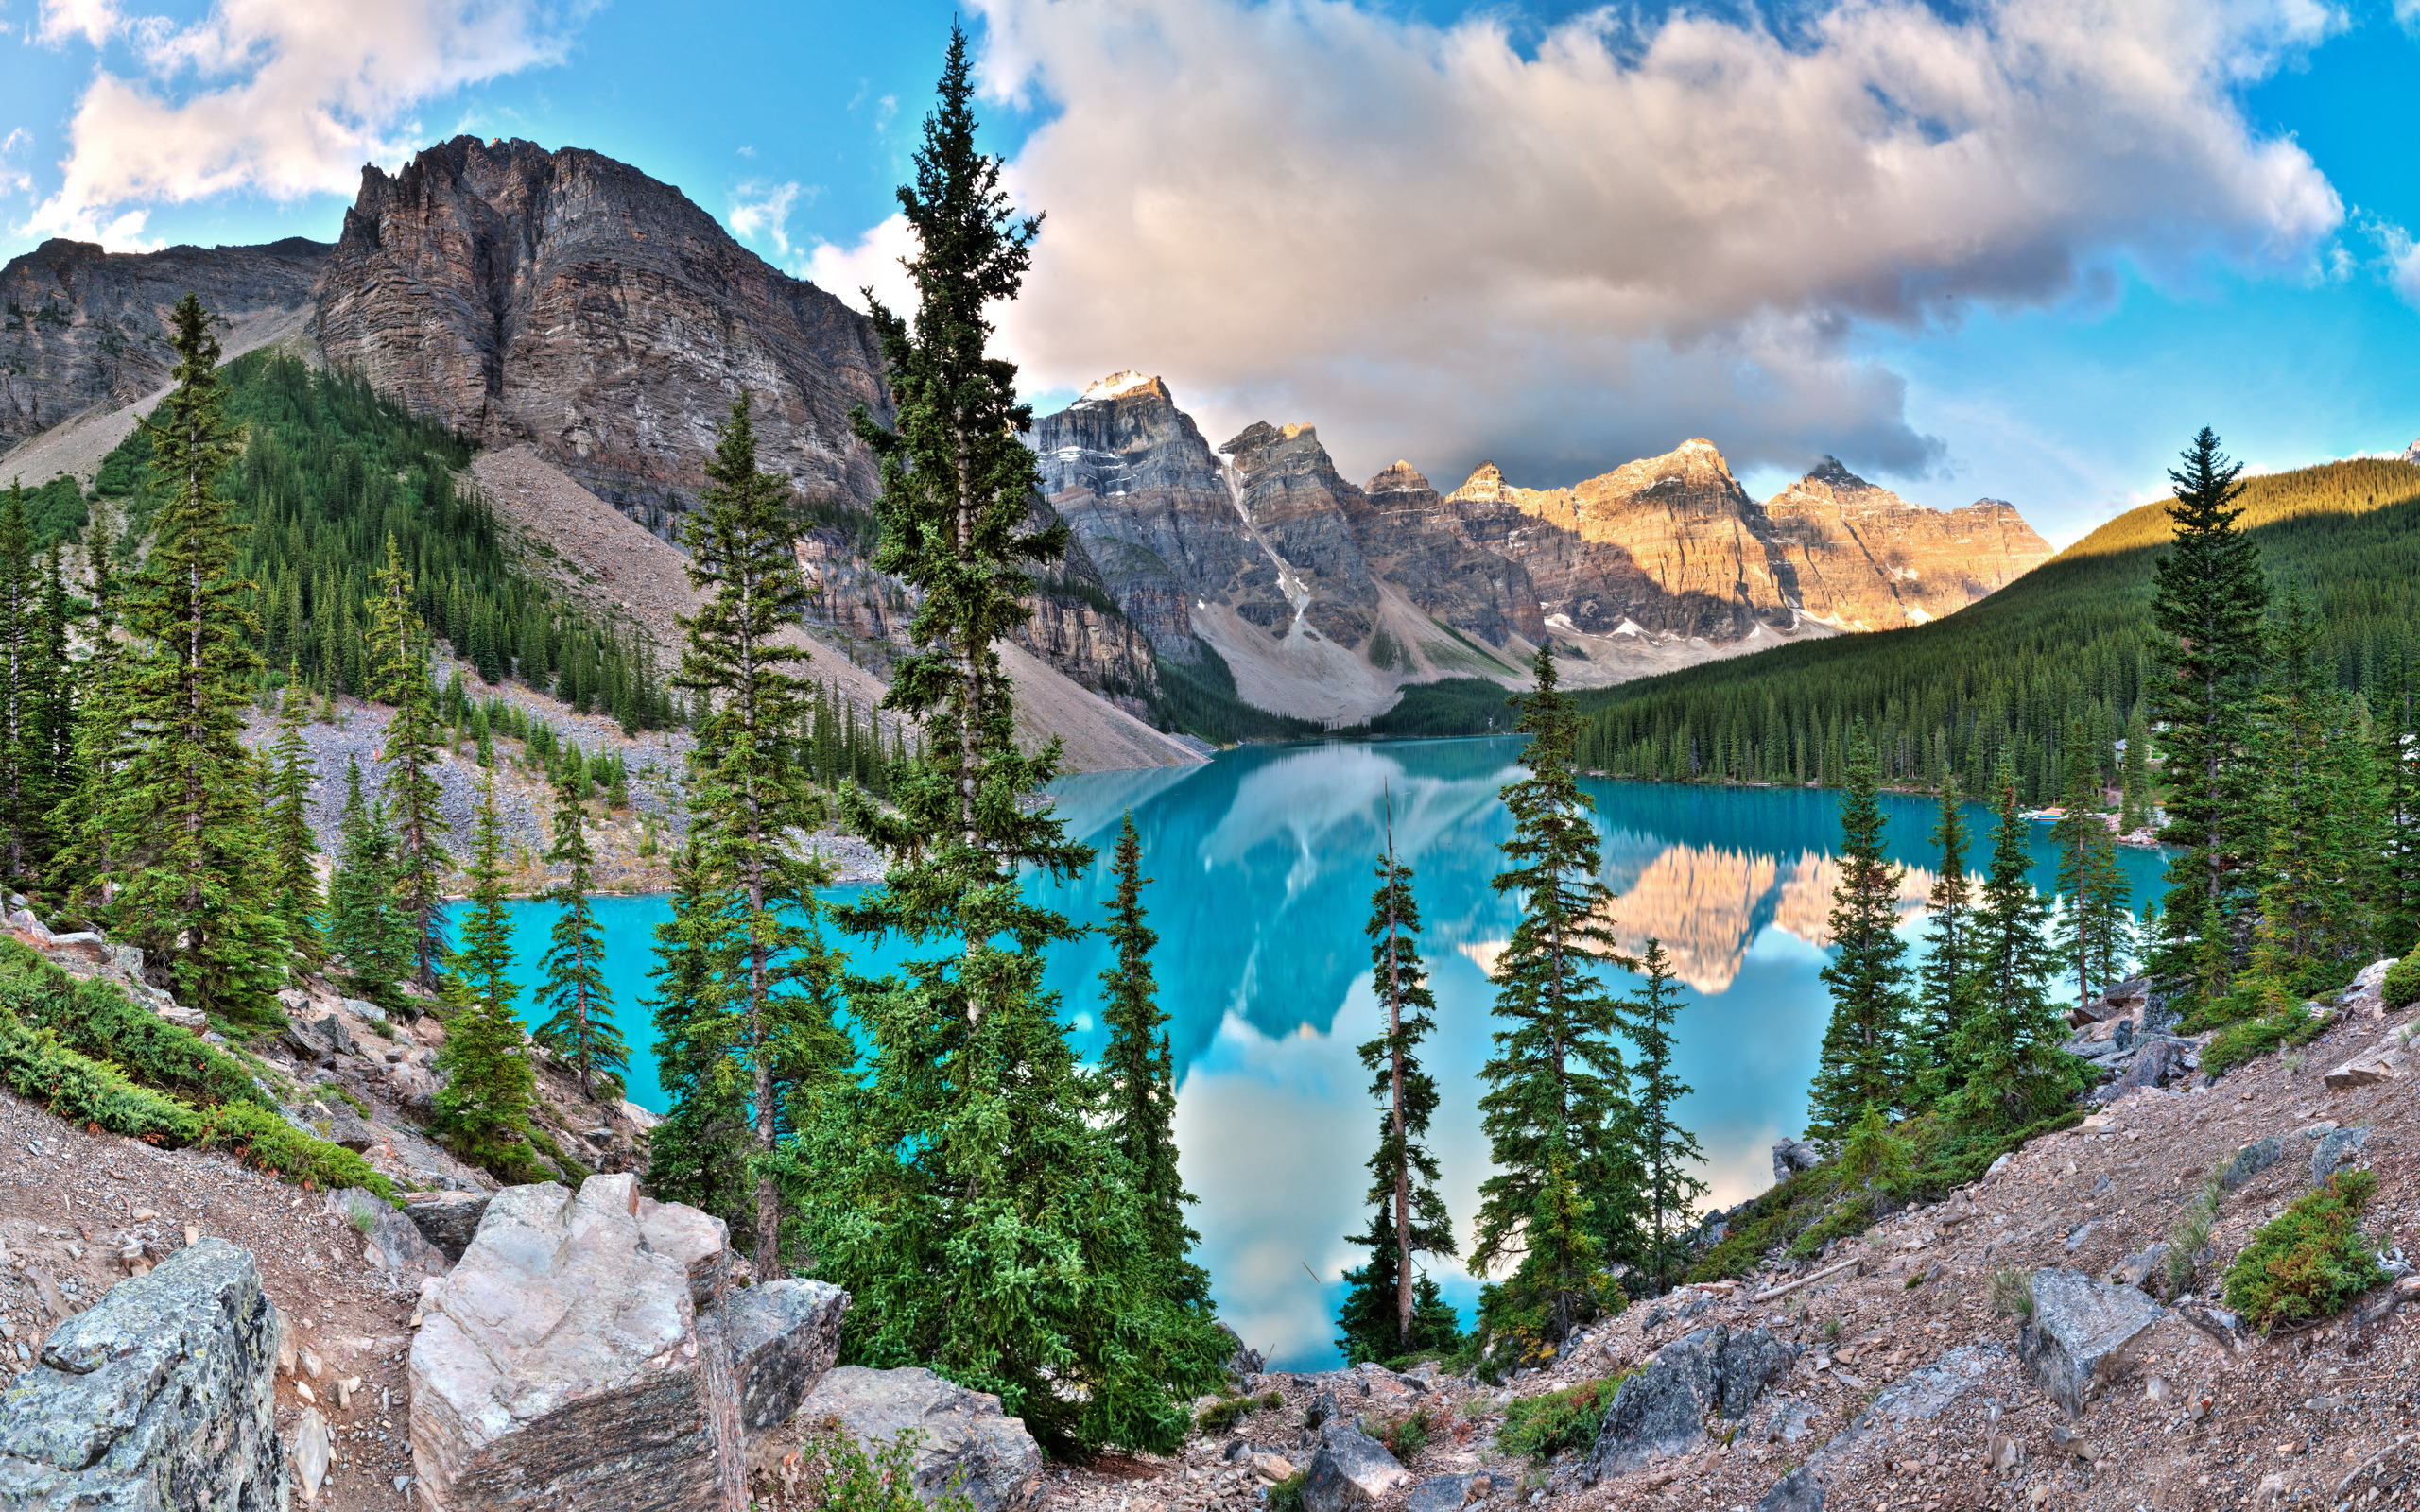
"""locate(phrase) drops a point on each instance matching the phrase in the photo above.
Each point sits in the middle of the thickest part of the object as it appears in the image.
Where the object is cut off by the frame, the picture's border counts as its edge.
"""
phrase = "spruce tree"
(2396, 721)
(964, 1196)
(364, 928)
(2208, 600)
(1664, 1151)
(400, 650)
(483, 1107)
(579, 1007)
(1556, 1085)
(2078, 838)
(2135, 775)
(84, 872)
(295, 885)
(1138, 1067)
(1402, 1170)
(746, 797)
(24, 742)
(1865, 1045)
(698, 1153)
(1944, 993)
(2011, 1067)
(195, 858)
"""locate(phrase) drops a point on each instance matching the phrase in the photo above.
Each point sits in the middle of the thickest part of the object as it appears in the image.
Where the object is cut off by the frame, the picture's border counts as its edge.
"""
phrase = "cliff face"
(1865, 558)
(1131, 473)
(1414, 541)
(84, 328)
(1304, 510)
(572, 301)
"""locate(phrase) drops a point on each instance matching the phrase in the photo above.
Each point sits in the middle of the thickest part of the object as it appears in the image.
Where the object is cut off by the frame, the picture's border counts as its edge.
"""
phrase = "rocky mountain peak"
(1400, 478)
(2411, 452)
(1485, 485)
(1119, 384)
(1828, 471)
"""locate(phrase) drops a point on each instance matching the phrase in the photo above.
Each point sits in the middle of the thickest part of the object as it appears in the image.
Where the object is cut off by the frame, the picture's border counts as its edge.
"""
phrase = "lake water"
(1262, 863)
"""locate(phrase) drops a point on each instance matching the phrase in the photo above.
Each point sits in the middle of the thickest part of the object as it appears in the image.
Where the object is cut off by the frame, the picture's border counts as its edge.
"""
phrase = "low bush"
(1545, 1425)
(2250, 1039)
(2310, 1260)
(98, 1019)
(832, 1472)
(1286, 1495)
(1407, 1436)
(2402, 984)
(1223, 1414)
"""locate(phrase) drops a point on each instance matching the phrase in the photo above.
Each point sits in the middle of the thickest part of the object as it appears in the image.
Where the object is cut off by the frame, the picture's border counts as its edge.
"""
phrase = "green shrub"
(1286, 1495)
(1223, 1414)
(2402, 984)
(2251, 1039)
(1407, 1436)
(98, 1019)
(2310, 1260)
(1545, 1425)
(832, 1472)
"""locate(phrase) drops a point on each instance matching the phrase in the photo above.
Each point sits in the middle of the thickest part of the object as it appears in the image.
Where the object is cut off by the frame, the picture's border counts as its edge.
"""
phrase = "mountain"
(2069, 644)
(1320, 598)
(571, 302)
(86, 329)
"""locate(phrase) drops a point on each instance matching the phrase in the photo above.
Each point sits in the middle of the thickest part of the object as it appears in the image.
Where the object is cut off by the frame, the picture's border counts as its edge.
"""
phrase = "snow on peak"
(1119, 382)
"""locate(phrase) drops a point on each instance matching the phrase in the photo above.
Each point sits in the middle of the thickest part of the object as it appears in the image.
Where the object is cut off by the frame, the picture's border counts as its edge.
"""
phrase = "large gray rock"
(782, 1337)
(390, 1240)
(1243, 1362)
(1920, 1396)
(1350, 1470)
(2251, 1161)
(1793, 1155)
(161, 1394)
(2337, 1148)
(1798, 1492)
(559, 1364)
(447, 1219)
(1660, 1410)
(968, 1444)
(2081, 1332)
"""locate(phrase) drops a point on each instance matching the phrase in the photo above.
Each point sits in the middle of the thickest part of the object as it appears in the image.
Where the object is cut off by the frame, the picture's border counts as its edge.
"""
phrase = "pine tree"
(2078, 838)
(1138, 1067)
(2207, 604)
(1865, 1050)
(401, 651)
(483, 1107)
(1661, 1149)
(965, 1198)
(747, 796)
(580, 1026)
(363, 927)
(24, 742)
(85, 872)
(698, 1153)
(192, 840)
(2135, 769)
(2397, 726)
(1556, 1085)
(1402, 1170)
(295, 887)
(2010, 1063)
(1945, 993)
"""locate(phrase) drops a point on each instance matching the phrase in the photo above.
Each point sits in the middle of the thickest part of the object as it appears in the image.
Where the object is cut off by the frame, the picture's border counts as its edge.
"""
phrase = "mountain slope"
(2069, 640)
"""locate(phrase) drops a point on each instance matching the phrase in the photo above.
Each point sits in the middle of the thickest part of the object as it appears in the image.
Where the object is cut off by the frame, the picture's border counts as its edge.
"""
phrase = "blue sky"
(1551, 234)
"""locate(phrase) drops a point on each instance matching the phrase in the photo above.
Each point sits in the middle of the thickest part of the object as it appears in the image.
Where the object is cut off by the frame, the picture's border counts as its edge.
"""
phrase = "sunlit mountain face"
(1262, 865)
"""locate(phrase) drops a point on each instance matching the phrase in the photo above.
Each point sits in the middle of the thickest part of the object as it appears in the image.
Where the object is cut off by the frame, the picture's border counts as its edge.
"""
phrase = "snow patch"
(1116, 383)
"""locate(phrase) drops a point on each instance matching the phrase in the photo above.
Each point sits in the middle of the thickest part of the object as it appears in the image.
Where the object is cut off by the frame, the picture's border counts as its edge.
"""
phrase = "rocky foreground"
(176, 1321)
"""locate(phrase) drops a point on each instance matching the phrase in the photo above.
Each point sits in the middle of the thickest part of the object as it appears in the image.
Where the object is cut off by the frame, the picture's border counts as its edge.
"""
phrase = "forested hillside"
(2068, 641)
(328, 472)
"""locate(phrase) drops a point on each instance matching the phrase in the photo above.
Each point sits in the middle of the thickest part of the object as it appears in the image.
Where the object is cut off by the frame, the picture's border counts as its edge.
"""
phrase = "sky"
(2017, 248)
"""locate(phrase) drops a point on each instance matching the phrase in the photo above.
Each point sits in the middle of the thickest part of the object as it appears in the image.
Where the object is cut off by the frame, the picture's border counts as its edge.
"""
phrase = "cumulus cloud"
(15, 150)
(761, 213)
(1435, 244)
(872, 261)
(283, 98)
(2402, 262)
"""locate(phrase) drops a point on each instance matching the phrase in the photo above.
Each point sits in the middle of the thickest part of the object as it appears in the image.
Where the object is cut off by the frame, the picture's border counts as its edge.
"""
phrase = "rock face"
(1413, 541)
(84, 328)
(1863, 557)
(567, 1359)
(1661, 1409)
(967, 1443)
(1350, 1470)
(572, 301)
(1304, 509)
(167, 1382)
(2081, 1332)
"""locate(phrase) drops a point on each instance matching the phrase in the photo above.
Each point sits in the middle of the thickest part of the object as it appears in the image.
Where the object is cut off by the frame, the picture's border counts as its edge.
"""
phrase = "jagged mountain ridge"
(1326, 596)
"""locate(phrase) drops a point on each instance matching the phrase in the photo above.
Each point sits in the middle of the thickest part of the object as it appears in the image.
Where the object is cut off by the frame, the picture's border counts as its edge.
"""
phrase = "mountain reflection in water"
(1262, 861)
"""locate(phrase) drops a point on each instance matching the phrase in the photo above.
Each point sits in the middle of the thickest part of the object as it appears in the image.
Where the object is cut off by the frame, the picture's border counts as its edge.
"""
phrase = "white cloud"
(2408, 12)
(2402, 262)
(283, 98)
(760, 212)
(1431, 244)
(873, 262)
(15, 149)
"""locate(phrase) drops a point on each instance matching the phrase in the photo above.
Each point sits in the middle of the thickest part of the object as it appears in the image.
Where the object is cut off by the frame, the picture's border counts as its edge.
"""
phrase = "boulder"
(699, 1243)
(1661, 1409)
(2154, 1064)
(447, 1219)
(559, 1364)
(364, 1008)
(169, 1381)
(781, 1337)
(83, 944)
(1350, 1470)
(2337, 1148)
(2081, 1332)
(1920, 1396)
(1793, 1155)
(2251, 1161)
(330, 1031)
(390, 1240)
(1798, 1492)
(2139, 1268)
(1440, 1493)
(2387, 1061)
(1243, 1362)
(2366, 996)
(968, 1444)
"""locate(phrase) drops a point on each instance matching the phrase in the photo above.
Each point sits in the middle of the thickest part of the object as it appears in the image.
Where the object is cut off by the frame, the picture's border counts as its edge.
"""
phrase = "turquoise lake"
(1262, 864)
